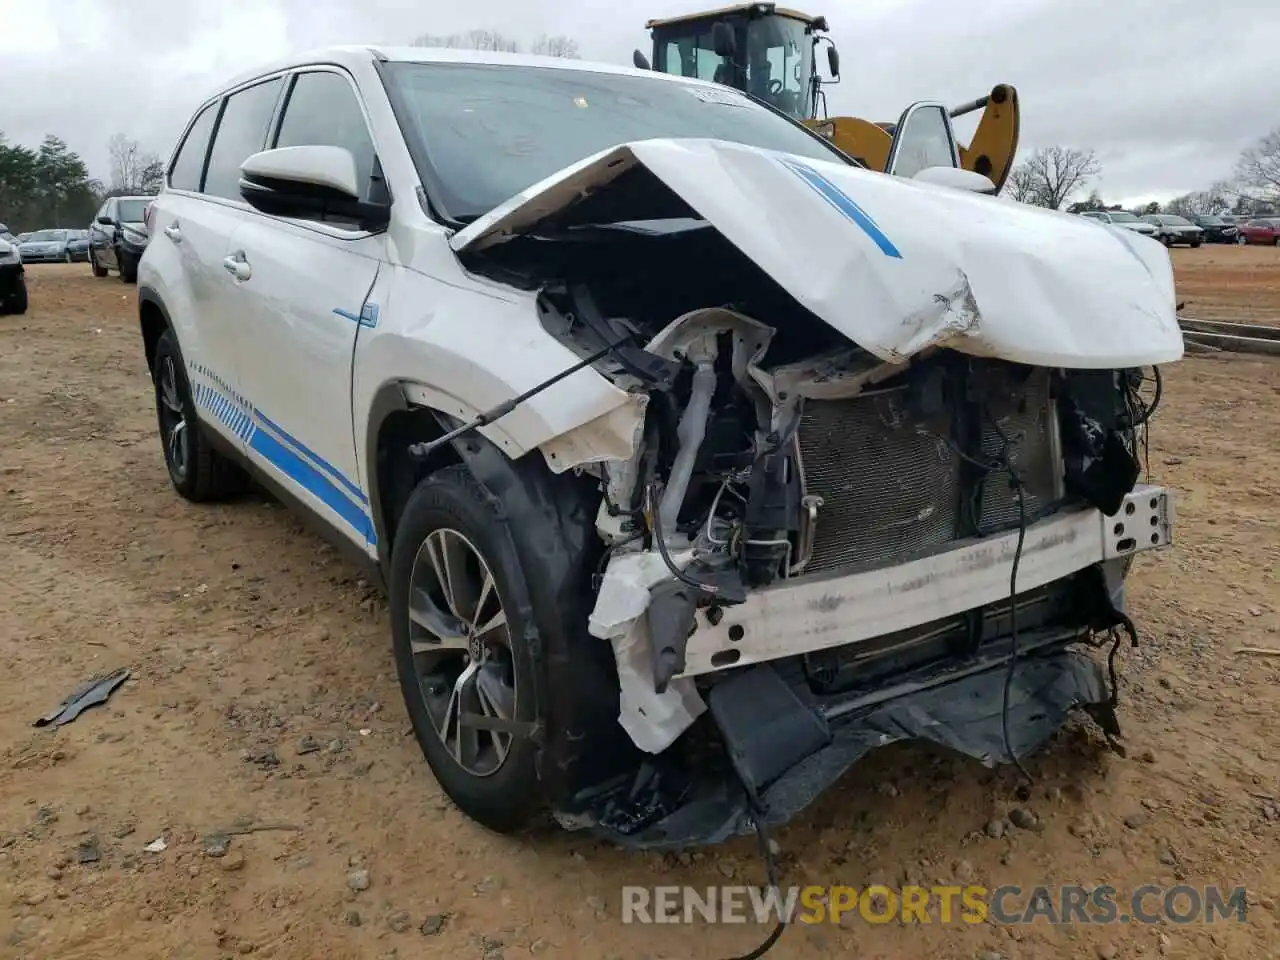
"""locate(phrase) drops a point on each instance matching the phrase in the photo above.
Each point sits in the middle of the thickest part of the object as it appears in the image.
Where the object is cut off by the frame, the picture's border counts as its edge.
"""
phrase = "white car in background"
(1122, 219)
(668, 427)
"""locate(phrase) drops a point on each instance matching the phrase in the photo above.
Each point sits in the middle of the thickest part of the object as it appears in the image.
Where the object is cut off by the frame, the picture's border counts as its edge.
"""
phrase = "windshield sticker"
(723, 97)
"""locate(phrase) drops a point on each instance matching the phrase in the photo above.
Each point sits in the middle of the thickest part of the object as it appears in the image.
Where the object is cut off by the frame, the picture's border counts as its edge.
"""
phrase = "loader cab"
(758, 48)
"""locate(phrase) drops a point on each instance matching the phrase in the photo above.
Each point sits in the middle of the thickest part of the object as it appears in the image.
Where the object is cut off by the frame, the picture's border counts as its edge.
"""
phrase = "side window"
(241, 131)
(188, 165)
(322, 110)
(923, 139)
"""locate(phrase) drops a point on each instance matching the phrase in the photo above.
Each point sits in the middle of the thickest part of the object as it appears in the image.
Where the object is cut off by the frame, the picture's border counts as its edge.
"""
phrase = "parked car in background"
(78, 246)
(13, 282)
(1122, 219)
(118, 237)
(1260, 230)
(1172, 230)
(24, 237)
(1216, 229)
(45, 246)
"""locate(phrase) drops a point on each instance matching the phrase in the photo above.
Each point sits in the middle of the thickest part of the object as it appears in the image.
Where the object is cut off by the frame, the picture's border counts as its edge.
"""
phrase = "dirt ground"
(263, 704)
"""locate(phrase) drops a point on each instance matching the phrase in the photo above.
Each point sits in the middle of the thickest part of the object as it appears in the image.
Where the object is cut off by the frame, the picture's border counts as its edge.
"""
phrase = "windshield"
(47, 236)
(1170, 221)
(131, 210)
(487, 132)
(1124, 218)
(1208, 220)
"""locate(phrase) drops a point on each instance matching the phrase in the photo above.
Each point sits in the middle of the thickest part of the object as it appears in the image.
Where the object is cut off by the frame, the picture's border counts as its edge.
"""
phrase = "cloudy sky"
(1167, 91)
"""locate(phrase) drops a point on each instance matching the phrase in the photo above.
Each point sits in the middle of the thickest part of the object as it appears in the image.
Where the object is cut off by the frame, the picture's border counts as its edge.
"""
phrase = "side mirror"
(833, 62)
(308, 181)
(957, 178)
(105, 221)
(640, 60)
(723, 41)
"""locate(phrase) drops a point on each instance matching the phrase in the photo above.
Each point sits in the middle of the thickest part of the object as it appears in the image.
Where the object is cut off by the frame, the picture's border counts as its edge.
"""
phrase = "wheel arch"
(153, 321)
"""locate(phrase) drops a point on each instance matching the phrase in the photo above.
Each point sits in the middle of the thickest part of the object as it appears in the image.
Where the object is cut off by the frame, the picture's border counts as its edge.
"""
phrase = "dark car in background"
(118, 237)
(13, 281)
(1172, 230)
(77, 246)
(1260, 230)
(1216, 229)
(45, 246)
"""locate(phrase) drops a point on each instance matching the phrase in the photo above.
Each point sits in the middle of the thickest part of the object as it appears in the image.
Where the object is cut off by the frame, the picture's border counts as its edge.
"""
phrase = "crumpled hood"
(895, 265)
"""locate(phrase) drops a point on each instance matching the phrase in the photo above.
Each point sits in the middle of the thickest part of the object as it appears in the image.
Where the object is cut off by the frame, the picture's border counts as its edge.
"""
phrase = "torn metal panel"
(895, 265)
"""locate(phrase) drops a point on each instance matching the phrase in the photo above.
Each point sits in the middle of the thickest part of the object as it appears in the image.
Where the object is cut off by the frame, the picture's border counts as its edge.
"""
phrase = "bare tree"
(132, 170)
(470, 40)
(1020, 186)
(556, 46)
(1258, 169)
(1211, 201)
(1052, 174)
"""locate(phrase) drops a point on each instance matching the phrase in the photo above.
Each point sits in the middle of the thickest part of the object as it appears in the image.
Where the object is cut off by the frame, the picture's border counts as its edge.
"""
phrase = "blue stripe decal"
(353, 317)
(315, 458)
(313, 481)
(845, 204)
(367, 317)
(283, 451)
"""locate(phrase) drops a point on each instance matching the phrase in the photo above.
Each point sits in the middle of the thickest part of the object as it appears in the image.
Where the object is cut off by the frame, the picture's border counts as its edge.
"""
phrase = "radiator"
(891, 482)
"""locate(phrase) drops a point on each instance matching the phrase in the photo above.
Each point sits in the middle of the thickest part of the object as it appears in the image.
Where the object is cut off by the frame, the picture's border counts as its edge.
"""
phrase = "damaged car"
(697, 460)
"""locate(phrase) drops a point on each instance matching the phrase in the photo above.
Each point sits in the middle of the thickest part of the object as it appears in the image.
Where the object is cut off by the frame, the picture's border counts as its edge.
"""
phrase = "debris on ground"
(90, 694)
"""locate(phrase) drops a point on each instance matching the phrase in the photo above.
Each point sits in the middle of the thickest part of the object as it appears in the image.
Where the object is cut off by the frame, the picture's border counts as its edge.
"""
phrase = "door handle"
(237, 266)
(173, 233)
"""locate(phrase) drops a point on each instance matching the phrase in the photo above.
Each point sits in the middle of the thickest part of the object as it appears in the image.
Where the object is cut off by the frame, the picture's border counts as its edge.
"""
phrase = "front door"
(305, 289)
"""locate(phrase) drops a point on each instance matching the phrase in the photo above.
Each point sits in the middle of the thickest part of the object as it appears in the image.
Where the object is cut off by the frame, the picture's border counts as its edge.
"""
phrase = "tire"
(198, 472)
(1195, 244)
(1276, 242)
(68, 258)
(451, 509)
(17, 301)
(98, 271)
(128, 267)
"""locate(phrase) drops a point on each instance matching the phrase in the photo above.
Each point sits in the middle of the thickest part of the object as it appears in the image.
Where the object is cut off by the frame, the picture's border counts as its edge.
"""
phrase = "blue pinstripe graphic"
(845, 204)
(367, 317)
(283, 451)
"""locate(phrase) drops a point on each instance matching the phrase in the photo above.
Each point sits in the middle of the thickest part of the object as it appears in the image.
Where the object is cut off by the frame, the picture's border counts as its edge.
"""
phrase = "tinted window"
(323, 111)
(131, 211)
(489, 132)
(241, 131)
(189, 163)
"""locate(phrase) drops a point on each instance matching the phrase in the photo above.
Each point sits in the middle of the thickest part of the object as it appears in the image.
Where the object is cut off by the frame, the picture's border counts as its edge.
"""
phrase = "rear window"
(188, 166)
(488, 132)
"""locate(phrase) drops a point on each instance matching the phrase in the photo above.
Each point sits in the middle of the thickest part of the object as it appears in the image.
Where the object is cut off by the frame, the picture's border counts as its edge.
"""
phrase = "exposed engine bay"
(775, 453)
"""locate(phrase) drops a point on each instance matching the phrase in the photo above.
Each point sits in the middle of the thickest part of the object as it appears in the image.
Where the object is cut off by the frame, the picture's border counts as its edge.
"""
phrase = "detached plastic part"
(653, 720)
(96, 691)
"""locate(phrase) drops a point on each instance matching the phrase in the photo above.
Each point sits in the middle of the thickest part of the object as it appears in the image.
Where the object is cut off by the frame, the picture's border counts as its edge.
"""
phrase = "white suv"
(697, 460)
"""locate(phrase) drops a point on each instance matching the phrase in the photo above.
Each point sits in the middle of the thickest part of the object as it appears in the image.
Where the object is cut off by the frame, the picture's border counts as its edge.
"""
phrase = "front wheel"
(465, 672)
(128, 267)
(1241, 239)
(1195, 244)
(98, 270)
(17, 300)
(198, 472)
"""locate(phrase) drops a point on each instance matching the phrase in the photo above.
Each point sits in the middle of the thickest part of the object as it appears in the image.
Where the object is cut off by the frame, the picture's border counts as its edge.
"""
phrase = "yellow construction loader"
(771, 53)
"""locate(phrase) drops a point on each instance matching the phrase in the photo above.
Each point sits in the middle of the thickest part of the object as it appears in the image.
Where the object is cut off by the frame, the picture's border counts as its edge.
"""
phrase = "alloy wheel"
(173, 419)
(462, 650)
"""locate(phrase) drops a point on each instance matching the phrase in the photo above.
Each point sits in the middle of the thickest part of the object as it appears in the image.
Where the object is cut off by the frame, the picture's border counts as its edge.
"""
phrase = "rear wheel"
(1241, 239)
(199, 472)
(460, 652)
(98, 270)
(1195, 244)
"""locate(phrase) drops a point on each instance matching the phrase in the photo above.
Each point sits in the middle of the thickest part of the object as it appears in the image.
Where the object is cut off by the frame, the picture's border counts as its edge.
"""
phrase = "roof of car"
(359, 55)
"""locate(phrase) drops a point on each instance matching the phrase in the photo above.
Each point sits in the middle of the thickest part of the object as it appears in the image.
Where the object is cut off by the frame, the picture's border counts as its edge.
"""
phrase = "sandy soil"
(1221, 282)
(263, 696)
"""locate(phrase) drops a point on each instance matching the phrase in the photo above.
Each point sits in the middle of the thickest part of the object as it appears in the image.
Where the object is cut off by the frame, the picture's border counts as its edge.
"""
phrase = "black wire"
(771, 871)
(660, 540)
(1148, 412)
(1013, 624)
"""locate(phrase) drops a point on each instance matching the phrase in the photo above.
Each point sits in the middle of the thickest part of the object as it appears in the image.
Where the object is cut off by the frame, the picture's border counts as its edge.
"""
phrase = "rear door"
(101, 235)
(193, 223)
(300, 306)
